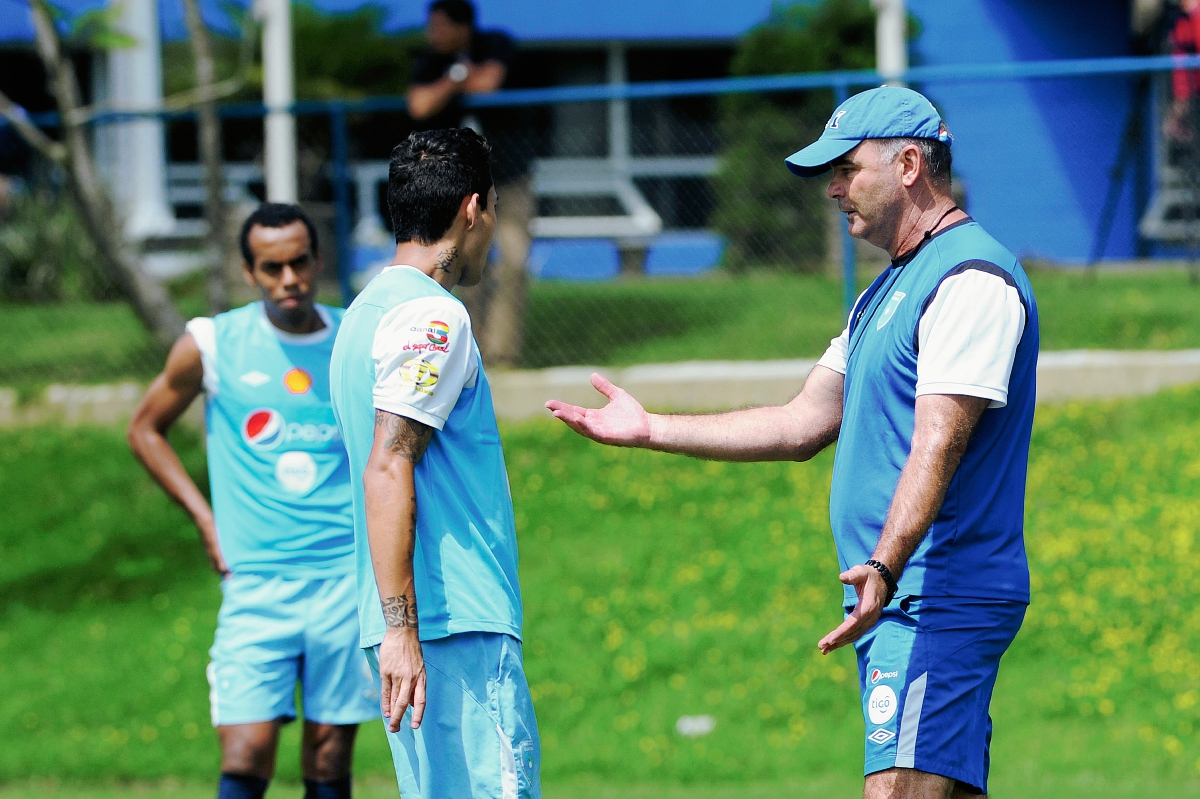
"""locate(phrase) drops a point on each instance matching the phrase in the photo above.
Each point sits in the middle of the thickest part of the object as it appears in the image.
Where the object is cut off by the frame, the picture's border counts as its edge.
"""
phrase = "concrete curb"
(711, 385)
(689, 386)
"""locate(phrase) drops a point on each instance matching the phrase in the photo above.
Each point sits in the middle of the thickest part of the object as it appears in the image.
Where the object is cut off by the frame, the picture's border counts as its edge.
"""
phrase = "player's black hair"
(936, 155)
(461, 12)
(275, 215)
(430, 173)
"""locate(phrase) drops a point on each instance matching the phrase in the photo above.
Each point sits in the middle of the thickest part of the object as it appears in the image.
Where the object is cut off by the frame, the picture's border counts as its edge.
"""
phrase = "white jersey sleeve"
(835, 354)
(968, 337)
(424, 356)
(204, 333)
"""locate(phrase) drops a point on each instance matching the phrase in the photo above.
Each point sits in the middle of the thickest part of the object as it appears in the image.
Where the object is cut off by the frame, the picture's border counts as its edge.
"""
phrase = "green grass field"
(640, 321)
(655, 587)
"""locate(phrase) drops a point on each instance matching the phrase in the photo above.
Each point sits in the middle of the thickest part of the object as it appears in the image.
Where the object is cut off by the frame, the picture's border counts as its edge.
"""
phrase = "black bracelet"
(886, 574)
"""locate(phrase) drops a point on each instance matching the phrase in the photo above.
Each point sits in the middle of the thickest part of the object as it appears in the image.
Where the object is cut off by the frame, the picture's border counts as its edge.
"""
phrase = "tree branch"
(121, 264)
(30, 132)
(209, 136)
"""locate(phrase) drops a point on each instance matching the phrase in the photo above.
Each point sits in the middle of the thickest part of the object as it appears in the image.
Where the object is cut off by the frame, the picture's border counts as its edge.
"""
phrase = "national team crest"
(890, 310)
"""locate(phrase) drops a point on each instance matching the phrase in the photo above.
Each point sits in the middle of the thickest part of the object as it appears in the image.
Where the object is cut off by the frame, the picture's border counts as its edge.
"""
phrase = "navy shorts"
(926, 671)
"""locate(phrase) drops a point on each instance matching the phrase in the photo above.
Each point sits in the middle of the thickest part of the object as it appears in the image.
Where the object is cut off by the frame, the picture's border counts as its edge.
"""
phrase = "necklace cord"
(942, 218)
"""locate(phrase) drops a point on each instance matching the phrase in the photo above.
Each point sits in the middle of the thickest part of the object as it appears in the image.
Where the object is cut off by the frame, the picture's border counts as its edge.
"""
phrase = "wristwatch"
(457, 72)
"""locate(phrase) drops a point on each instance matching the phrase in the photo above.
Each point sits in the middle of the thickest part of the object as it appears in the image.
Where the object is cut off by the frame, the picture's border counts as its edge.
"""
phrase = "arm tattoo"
(400, 611)
(405, 437)
(446, 259)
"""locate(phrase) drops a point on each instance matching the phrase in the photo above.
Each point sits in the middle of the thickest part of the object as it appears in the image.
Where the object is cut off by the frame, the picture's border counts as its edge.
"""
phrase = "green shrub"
(768, 216)
(45, 255)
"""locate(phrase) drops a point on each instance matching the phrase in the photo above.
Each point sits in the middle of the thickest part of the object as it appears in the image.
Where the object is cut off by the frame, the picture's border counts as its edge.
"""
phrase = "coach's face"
(869, 191)
(285, 270)
(477, 241)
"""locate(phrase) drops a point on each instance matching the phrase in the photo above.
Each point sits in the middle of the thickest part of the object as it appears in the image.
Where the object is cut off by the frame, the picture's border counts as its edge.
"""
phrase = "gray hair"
(935, 154)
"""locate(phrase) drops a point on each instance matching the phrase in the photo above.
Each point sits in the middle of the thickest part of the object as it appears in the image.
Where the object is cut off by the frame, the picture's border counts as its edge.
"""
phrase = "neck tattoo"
(446, 259)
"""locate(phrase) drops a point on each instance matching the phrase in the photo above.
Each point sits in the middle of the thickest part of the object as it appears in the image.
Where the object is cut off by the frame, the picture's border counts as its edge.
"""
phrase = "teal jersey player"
(279, 530)
(277, 466)
(435, 541)
(407, 349)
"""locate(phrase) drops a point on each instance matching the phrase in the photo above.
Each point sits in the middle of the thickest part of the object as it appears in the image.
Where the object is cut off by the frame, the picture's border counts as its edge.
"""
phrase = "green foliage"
(348, 55)
(768, 216)
(95, 29)
(45, 254)
(336, 56)
(809, 37)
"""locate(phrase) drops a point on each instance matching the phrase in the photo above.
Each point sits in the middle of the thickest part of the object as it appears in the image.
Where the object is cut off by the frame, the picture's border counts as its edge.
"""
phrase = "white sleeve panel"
(204, 333)
(968, 337)
(835, 356)
(424, 356)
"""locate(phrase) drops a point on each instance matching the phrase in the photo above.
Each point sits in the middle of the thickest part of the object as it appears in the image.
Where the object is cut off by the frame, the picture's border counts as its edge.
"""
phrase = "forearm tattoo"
(405, 437)
(400, 611)
(446, 258)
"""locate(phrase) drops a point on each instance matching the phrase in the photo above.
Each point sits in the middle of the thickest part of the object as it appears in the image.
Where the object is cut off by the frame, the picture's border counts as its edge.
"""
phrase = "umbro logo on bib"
(890, 310)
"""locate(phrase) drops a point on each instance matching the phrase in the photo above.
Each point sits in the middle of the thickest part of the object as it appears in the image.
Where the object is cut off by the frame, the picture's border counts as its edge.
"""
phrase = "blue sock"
(241, 786)
(333, 789)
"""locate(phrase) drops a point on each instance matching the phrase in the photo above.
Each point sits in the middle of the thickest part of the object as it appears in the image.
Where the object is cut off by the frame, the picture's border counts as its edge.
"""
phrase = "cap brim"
(816, 157)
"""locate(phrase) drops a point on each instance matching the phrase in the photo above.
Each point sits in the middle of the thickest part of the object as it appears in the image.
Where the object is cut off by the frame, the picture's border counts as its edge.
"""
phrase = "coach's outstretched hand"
(623, 422)
(401, 676)
(872, 591)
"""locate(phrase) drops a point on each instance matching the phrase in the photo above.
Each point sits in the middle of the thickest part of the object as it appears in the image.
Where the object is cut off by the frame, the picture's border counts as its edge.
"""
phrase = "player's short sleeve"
(968, 335)
(424, 356)
(835, 355)
(204, 333)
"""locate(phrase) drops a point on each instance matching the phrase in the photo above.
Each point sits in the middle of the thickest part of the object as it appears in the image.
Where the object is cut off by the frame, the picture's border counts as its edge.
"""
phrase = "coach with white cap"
(929, 393)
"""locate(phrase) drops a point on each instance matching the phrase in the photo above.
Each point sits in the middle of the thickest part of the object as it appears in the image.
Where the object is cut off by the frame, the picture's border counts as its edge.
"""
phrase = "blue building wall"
(1035, 155)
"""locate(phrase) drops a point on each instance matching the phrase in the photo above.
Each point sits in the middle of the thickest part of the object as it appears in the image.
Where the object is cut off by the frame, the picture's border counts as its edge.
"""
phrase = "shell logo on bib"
(297, 381)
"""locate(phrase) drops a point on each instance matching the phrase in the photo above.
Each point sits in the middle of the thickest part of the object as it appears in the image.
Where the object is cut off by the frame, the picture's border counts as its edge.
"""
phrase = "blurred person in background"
(463, 60)
(929, 394)
(1184, 39)
(279, 531)
(460, 60)
(435, 536)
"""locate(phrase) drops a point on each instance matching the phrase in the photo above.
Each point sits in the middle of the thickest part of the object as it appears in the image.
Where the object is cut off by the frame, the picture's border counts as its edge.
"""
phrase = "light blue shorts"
(273, 632)
(479, 738)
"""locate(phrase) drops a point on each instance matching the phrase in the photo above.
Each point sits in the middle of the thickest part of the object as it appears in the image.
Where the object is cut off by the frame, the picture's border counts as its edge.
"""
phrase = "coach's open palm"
(401, 676)
(622, 422)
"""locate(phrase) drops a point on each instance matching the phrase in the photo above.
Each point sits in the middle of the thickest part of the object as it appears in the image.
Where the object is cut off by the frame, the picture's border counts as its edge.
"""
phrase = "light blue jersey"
(278, 470)
(405, 346)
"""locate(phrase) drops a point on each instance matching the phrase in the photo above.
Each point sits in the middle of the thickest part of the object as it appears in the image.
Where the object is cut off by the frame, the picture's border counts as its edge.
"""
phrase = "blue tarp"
(528, 20)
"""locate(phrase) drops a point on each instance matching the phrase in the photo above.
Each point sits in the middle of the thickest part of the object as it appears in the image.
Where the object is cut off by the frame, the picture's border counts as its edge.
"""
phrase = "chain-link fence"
(656, 222)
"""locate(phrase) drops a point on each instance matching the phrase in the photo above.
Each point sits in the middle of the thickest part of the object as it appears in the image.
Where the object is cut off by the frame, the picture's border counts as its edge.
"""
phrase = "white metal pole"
(139, 171)
(278, 93)
(891, 47)
(618, 111)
